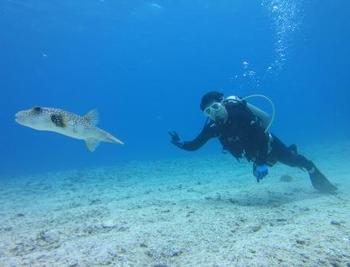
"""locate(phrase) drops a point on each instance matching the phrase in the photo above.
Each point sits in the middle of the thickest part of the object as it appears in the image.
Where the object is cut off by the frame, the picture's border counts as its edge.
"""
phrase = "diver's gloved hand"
(260, 171)
(175, 139)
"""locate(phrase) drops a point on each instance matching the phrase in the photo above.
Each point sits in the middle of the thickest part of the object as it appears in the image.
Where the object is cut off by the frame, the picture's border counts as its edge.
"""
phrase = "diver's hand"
(260, 171)
(175, 139)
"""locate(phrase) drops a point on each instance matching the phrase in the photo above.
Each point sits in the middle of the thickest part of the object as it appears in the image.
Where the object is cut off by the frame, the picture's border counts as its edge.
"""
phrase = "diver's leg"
(290, 157)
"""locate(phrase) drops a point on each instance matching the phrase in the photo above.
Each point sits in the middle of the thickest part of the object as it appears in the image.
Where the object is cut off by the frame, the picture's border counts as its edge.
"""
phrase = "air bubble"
(286, 19)
(245, 64)
(251, 73)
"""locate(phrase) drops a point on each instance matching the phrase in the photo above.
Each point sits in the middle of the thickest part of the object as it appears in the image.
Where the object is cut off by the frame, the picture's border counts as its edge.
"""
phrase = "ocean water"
(145, 65)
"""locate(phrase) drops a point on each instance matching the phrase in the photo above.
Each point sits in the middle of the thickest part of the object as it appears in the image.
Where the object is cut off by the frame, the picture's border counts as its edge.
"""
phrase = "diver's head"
(36, 118)
(213, 107)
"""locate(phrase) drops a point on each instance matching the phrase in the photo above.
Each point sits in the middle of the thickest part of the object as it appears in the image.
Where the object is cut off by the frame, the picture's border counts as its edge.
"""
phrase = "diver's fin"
(92, 116)
(293, 148)
(320, 182)
(92, 144)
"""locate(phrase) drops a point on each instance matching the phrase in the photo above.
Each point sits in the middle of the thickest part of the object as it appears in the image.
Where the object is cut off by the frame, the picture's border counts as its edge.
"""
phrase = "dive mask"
(216, 111)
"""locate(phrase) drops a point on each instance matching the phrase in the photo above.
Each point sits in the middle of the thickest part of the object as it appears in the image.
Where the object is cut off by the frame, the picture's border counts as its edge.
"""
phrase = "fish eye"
(37, 109)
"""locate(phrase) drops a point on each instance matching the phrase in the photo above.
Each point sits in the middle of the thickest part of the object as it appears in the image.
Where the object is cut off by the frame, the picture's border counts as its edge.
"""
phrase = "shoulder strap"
(235, 100)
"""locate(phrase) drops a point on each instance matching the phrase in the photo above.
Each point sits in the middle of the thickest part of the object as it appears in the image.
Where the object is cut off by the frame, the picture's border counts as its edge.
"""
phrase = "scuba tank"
(265, 118)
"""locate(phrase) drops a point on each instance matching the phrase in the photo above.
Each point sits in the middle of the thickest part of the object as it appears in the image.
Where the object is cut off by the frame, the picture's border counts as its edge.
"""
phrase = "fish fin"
(115, 140)
(112, 139)
(92, 144)
(92, 116)
(118, 141)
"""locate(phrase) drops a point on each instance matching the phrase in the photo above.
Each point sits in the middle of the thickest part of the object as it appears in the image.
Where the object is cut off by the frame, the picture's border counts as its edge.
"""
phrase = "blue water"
(145, 64)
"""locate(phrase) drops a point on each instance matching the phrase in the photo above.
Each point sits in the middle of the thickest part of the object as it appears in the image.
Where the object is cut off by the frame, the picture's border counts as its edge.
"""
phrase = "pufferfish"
(68, 124)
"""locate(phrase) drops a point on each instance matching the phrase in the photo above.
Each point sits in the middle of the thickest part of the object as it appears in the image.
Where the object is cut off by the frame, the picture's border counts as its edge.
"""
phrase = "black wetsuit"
(244, 136)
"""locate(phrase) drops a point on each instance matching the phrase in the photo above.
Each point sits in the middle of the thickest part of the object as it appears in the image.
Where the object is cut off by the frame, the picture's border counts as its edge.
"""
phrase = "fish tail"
(112, 139)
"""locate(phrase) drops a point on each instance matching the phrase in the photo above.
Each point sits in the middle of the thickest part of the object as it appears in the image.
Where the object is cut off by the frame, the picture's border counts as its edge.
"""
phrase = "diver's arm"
(261, 140)
(209, 131)
(256, 139)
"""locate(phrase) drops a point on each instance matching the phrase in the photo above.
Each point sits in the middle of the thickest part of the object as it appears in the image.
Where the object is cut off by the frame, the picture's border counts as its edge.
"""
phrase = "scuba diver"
(242, 129)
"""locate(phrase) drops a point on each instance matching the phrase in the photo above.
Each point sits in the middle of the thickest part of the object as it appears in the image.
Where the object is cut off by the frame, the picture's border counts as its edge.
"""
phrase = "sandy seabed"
(184, 212)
